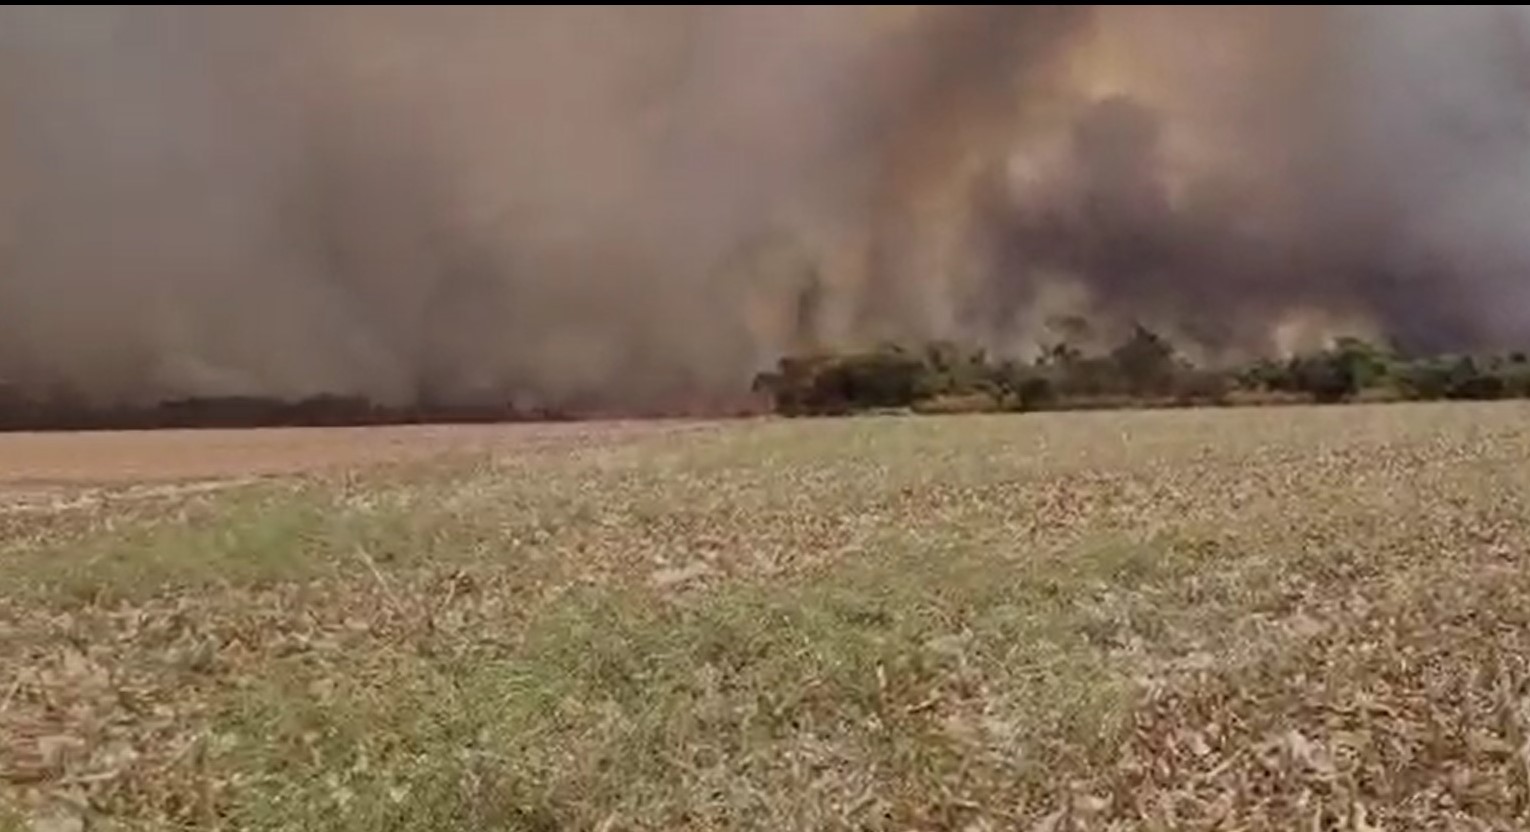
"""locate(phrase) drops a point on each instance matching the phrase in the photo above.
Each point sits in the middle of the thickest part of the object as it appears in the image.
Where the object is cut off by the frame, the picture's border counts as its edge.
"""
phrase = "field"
(1269, 619)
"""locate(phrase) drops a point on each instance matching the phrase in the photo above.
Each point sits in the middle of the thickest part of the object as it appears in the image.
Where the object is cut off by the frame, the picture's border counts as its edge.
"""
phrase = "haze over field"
(620, 206)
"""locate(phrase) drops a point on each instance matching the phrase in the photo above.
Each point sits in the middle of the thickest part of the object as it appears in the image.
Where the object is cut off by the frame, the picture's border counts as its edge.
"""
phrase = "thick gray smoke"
(1254, 164)
(613, 206)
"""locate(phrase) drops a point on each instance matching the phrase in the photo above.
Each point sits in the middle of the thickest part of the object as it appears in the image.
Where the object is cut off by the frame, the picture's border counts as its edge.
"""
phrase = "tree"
(1366, 364)
(1146, 362)
(823, 385)
(1425, 379)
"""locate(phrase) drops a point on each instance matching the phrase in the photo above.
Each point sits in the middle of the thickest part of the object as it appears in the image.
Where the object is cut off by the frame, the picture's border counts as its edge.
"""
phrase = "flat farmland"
(135, 457)
(1274, 619)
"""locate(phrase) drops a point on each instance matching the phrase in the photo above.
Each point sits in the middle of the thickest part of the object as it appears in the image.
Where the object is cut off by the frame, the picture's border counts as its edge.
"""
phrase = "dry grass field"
(135, 457)
(1264, 619)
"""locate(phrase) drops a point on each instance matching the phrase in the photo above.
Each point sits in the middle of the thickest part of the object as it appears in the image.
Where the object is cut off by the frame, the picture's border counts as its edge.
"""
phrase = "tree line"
(62, 412)
(1145, 369)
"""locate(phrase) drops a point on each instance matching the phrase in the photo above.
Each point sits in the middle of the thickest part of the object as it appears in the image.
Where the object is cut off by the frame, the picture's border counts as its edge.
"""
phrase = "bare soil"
(32, 460)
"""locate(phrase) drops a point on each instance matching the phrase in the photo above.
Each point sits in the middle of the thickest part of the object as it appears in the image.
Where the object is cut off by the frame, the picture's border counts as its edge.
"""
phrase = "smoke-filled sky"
(613, 206)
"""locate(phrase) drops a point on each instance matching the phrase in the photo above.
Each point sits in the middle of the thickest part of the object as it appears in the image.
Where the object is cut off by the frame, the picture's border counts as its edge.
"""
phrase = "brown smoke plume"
(609, 206)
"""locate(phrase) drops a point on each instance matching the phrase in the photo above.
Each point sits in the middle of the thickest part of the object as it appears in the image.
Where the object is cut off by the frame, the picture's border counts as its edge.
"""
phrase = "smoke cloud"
(623, 206)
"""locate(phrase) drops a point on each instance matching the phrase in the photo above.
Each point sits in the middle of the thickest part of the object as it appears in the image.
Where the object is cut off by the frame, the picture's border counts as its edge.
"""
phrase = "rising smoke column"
(1230, 168)
(616, 207)
(438, 203)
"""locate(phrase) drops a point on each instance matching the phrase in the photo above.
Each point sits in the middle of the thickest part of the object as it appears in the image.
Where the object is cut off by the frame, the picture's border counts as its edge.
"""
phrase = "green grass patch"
(843, 698)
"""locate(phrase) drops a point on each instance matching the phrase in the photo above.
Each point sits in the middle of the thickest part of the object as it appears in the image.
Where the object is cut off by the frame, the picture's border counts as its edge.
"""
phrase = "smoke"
(1225, 170)
(625, 206)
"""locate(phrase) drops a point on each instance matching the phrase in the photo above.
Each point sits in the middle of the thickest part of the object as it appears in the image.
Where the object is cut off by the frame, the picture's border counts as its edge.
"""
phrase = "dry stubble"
(1303, 618)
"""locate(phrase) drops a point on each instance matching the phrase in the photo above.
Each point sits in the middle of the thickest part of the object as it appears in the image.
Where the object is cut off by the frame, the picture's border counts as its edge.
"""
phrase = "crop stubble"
(1296, 618)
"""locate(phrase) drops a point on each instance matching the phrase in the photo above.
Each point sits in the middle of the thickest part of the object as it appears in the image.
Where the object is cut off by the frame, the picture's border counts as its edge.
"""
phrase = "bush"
(884, 378)
(829, 385)
(1145, 364)
(1423, 380)
(1035, 392)
(1468, 383)
(1265, 374)
(1462, 378)
(1516, 379)
(1327, 376)
(1365, 363)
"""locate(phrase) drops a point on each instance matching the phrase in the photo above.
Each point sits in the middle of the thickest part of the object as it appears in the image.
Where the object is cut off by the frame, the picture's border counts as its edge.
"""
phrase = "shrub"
(1145, 364)
(1461, 378)
(1423, 380)
(1265, 374)
(1516, 379)
(1327, 376)
(1468, 381)
(1035, 392)
(827, 385)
